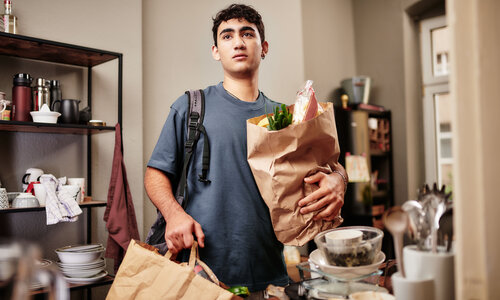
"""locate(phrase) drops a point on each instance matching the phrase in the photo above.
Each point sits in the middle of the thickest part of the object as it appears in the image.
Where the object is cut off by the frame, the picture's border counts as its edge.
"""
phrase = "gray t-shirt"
(240, 245)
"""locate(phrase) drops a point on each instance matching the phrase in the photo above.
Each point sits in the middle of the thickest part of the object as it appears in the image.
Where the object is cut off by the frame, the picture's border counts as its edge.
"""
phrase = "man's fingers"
(314, 207)
(200, 236)
(187, 240)
(314, 178)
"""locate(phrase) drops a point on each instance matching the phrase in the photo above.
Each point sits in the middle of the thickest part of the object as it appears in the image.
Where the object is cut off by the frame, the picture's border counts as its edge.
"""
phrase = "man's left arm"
(329, 198)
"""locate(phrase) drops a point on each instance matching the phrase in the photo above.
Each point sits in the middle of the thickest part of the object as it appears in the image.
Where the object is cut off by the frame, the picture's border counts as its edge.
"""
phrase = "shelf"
(374, 152)
(52, 128)
(72, 286)
(50, 51)
(42, 208)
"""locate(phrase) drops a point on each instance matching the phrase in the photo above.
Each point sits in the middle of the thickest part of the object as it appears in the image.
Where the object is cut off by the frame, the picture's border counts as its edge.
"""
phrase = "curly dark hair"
(238, 11)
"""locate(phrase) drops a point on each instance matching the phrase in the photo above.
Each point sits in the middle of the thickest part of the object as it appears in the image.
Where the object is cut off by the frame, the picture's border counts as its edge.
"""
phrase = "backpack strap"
(195, 127)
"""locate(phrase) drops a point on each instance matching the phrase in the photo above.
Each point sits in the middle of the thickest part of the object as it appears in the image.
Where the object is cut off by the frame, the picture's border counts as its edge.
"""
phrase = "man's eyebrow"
(226, 30)
(244, 28)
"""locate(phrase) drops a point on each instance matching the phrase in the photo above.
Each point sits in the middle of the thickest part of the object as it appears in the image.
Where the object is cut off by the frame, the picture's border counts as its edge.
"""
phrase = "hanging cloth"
(120, 214)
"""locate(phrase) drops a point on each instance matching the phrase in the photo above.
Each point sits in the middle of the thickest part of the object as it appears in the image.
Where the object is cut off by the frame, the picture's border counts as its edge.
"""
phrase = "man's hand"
(328, 199)
(179, 232)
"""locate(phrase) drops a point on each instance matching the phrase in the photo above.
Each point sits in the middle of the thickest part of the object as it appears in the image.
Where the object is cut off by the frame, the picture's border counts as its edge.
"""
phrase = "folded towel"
(60, 206)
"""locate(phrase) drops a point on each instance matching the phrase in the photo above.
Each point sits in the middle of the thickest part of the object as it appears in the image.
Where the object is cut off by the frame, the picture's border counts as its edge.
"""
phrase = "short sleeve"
(168, 153)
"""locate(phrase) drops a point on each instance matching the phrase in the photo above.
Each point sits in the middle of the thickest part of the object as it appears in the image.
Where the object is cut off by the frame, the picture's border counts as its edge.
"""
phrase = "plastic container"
(351, 251)
(45, 116)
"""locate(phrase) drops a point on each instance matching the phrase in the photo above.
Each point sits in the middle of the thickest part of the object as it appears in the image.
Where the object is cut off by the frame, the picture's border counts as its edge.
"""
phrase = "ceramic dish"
(95, 263)
(99, 276)
(79, 257)
(45, 116)
(82, 273)
(317, 258)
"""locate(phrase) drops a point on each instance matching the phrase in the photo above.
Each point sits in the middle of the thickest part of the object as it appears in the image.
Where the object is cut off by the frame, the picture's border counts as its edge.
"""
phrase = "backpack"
(196, 112)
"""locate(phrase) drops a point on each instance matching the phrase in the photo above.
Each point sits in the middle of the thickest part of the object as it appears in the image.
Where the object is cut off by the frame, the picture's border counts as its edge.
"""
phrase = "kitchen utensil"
(21, 97)
(446, 227)
(418, 230)
(45, 116)
(68, 109)
(396, 221)
(31, 175)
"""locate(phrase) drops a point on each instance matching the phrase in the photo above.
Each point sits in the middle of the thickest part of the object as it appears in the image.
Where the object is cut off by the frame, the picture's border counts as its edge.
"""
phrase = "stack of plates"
(82, 263)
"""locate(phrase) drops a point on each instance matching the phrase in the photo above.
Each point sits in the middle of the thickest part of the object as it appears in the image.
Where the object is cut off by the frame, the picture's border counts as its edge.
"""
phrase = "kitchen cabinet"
(367, 133)
(81, 59)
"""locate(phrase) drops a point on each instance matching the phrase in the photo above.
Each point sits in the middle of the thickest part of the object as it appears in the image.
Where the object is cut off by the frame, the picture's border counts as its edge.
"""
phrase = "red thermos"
(21, 97)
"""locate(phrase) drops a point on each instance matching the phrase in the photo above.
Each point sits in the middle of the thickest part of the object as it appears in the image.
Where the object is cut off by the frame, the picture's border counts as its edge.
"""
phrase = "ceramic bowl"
(45, 116)
(79, 257)
(25, 200)
(350, 250)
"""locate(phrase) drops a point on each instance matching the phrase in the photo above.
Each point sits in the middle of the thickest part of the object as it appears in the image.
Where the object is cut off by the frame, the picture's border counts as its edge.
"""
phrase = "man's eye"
(226, 37)
(248, 34)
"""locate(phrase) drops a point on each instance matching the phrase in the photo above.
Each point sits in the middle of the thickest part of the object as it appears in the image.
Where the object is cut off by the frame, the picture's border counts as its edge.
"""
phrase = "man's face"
(239, 47)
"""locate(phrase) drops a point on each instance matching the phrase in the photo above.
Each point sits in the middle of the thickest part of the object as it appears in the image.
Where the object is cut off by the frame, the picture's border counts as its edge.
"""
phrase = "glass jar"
(5, 107)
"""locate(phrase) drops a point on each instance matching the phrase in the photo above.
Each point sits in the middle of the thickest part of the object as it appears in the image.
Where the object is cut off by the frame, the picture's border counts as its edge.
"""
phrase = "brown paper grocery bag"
(280, 160)
(146, 274)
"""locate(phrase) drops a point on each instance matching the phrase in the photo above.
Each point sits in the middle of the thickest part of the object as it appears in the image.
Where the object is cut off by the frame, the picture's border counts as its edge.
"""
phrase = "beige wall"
(110, 25)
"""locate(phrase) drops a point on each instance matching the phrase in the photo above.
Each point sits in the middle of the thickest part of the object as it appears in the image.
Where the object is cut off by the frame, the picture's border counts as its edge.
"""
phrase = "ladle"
(396, 221)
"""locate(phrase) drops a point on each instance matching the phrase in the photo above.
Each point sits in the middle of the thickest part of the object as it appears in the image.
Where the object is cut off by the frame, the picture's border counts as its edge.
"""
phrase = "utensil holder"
(412, 289)
(421, 265)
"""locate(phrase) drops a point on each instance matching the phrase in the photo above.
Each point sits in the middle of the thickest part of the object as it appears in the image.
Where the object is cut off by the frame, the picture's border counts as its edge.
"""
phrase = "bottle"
(21, 97)
(8, 19)
(55, 92)
(41, 94)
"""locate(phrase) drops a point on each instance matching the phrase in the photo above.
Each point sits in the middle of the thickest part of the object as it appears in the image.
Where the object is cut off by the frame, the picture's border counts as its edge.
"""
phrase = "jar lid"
(23, 79)
(54, 83)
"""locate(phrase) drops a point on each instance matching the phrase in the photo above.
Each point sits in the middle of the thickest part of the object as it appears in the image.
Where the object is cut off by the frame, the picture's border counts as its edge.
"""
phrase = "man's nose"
(239, 43)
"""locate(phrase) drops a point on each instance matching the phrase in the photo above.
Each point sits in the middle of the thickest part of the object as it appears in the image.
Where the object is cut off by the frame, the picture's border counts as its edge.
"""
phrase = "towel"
(120, 214)
(60, 206)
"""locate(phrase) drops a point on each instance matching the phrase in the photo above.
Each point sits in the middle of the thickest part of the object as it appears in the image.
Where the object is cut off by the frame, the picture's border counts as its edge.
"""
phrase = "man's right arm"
(180, 226)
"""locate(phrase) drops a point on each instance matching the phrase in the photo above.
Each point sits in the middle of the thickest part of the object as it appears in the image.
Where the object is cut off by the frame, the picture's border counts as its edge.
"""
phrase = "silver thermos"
(41, 94)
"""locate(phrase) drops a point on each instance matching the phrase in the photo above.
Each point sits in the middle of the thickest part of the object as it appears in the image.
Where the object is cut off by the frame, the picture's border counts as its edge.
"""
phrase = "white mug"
(81, 183)
(427, 265)
(73, 191)
(40, 193)
(32, 174)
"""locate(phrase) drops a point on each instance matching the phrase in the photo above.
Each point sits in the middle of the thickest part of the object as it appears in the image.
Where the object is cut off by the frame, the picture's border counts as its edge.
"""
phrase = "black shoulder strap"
(195, 126)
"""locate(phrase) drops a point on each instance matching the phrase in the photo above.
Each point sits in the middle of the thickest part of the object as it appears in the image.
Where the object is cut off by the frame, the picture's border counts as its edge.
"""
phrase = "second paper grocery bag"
(280, 160)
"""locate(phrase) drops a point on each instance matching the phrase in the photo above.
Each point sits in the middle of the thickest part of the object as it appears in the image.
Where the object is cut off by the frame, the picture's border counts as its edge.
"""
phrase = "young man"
(228, 216)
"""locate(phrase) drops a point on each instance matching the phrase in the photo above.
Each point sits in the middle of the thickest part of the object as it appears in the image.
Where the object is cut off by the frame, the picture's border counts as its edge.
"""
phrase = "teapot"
(31, 175)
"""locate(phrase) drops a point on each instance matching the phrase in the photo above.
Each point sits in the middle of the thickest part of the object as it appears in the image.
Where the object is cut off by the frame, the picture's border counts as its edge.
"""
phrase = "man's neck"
(243, 89)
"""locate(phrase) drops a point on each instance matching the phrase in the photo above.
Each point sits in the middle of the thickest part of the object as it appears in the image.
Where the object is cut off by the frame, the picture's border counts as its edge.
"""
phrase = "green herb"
(241, 291)
(281, 119)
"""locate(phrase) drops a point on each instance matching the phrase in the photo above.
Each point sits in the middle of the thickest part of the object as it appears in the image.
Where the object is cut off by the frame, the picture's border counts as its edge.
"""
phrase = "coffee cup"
(72, 190)
(81, 183)
(40, 193)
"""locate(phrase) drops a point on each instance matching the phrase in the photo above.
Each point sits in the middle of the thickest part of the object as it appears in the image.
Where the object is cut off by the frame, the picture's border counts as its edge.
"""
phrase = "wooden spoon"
(396, 221)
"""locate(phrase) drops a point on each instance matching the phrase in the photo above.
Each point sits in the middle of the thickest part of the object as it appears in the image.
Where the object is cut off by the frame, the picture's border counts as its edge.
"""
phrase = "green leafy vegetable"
(241, 291)
(281, 119)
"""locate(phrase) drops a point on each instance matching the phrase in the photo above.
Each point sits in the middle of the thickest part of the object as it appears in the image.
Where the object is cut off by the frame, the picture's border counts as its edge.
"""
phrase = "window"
(438, 128)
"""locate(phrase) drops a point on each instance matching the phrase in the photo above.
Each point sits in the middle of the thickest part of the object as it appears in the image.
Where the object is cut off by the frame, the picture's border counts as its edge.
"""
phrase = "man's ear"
(265, 48)
(215, 53)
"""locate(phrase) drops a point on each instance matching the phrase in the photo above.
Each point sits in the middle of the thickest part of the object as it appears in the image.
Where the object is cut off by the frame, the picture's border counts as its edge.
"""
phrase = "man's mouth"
(239, 56)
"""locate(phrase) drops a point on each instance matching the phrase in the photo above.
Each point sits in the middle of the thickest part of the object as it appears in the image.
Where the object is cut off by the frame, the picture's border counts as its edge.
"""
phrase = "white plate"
(92, 263)
(87, 280)
(81, 248)
(82, 273)
(316, 257)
